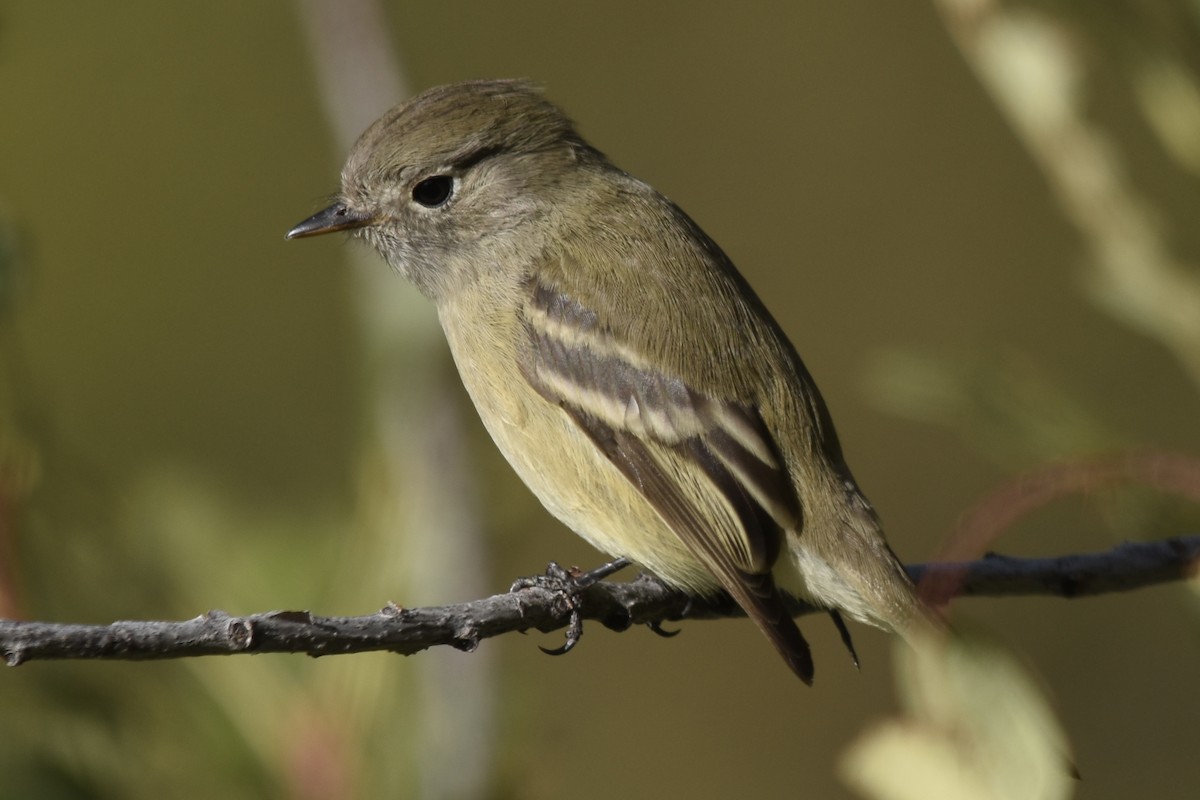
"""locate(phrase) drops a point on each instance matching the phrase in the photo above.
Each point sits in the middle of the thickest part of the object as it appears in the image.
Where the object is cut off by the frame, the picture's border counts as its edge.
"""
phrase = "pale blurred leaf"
(974, 726)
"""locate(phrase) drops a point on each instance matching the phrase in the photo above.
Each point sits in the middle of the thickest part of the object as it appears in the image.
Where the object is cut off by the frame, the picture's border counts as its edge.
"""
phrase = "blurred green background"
(186, 420)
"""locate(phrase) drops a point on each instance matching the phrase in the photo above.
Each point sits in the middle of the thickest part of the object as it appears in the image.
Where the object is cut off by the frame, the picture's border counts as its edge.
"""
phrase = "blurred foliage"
(1004, 403)
(1048, 65)
(973, 726)
(973, 720)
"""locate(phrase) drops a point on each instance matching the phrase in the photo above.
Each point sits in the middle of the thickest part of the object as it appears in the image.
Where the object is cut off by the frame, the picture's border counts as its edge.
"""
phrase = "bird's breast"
(552, 455)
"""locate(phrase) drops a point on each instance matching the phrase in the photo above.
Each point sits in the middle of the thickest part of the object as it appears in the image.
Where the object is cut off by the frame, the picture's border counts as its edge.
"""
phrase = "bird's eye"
(433, 191)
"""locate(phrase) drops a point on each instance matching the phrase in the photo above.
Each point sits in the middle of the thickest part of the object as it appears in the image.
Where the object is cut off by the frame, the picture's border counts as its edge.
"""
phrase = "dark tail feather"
(771, 616)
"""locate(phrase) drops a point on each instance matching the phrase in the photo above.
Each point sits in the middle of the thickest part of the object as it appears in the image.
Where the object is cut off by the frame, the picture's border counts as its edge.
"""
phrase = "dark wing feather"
(653, 427)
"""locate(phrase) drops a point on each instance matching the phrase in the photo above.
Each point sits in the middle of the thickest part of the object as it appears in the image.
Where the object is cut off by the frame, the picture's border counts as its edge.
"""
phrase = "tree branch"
(615, 605)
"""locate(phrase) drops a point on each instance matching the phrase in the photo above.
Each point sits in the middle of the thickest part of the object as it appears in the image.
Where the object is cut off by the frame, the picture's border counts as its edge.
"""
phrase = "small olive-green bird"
(621, 363)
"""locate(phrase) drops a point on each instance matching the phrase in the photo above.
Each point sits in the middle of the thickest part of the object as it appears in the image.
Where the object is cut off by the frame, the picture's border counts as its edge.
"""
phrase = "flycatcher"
(621, 363)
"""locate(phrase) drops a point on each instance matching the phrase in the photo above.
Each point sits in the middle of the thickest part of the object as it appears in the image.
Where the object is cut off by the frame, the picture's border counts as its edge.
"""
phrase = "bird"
(618, 359)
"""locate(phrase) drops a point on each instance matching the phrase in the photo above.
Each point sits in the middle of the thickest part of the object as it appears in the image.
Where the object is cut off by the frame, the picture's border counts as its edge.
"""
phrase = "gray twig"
(615, 605)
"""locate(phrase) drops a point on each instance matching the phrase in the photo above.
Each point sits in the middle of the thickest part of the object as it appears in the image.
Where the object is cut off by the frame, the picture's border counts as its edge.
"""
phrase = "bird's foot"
(657, 625)
(569, 584)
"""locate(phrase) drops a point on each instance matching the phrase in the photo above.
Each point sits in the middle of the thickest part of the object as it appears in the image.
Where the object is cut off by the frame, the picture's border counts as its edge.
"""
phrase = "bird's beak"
(338, 217)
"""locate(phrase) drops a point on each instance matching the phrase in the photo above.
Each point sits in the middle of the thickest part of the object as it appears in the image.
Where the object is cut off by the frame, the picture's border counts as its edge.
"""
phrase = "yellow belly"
(554, 456)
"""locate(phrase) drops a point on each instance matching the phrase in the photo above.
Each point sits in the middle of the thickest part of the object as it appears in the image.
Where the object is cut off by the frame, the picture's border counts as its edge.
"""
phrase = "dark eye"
(433, 191)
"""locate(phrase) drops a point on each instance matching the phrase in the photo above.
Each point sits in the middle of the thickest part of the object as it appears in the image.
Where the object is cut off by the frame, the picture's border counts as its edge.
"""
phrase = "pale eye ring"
(433, 191)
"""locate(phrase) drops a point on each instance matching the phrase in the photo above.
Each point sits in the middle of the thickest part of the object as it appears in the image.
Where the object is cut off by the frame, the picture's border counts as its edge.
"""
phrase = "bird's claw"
(573, 635)
(657, 627)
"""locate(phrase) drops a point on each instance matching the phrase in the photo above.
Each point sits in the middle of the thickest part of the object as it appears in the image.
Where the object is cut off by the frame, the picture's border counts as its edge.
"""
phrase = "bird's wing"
(708, 465)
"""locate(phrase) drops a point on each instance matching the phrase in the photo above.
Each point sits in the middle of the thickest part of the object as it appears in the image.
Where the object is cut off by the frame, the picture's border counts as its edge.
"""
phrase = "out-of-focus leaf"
(974, 726)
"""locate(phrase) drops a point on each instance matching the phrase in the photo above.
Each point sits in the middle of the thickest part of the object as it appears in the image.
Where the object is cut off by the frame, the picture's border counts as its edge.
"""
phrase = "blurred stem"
(8, 577)
(1010, 409)
(418, 490)
(1033, 66)
(20, 457)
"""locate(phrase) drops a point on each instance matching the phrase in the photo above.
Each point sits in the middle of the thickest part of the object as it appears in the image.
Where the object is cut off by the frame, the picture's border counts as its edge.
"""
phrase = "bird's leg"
(569, 583)
(601, 572)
